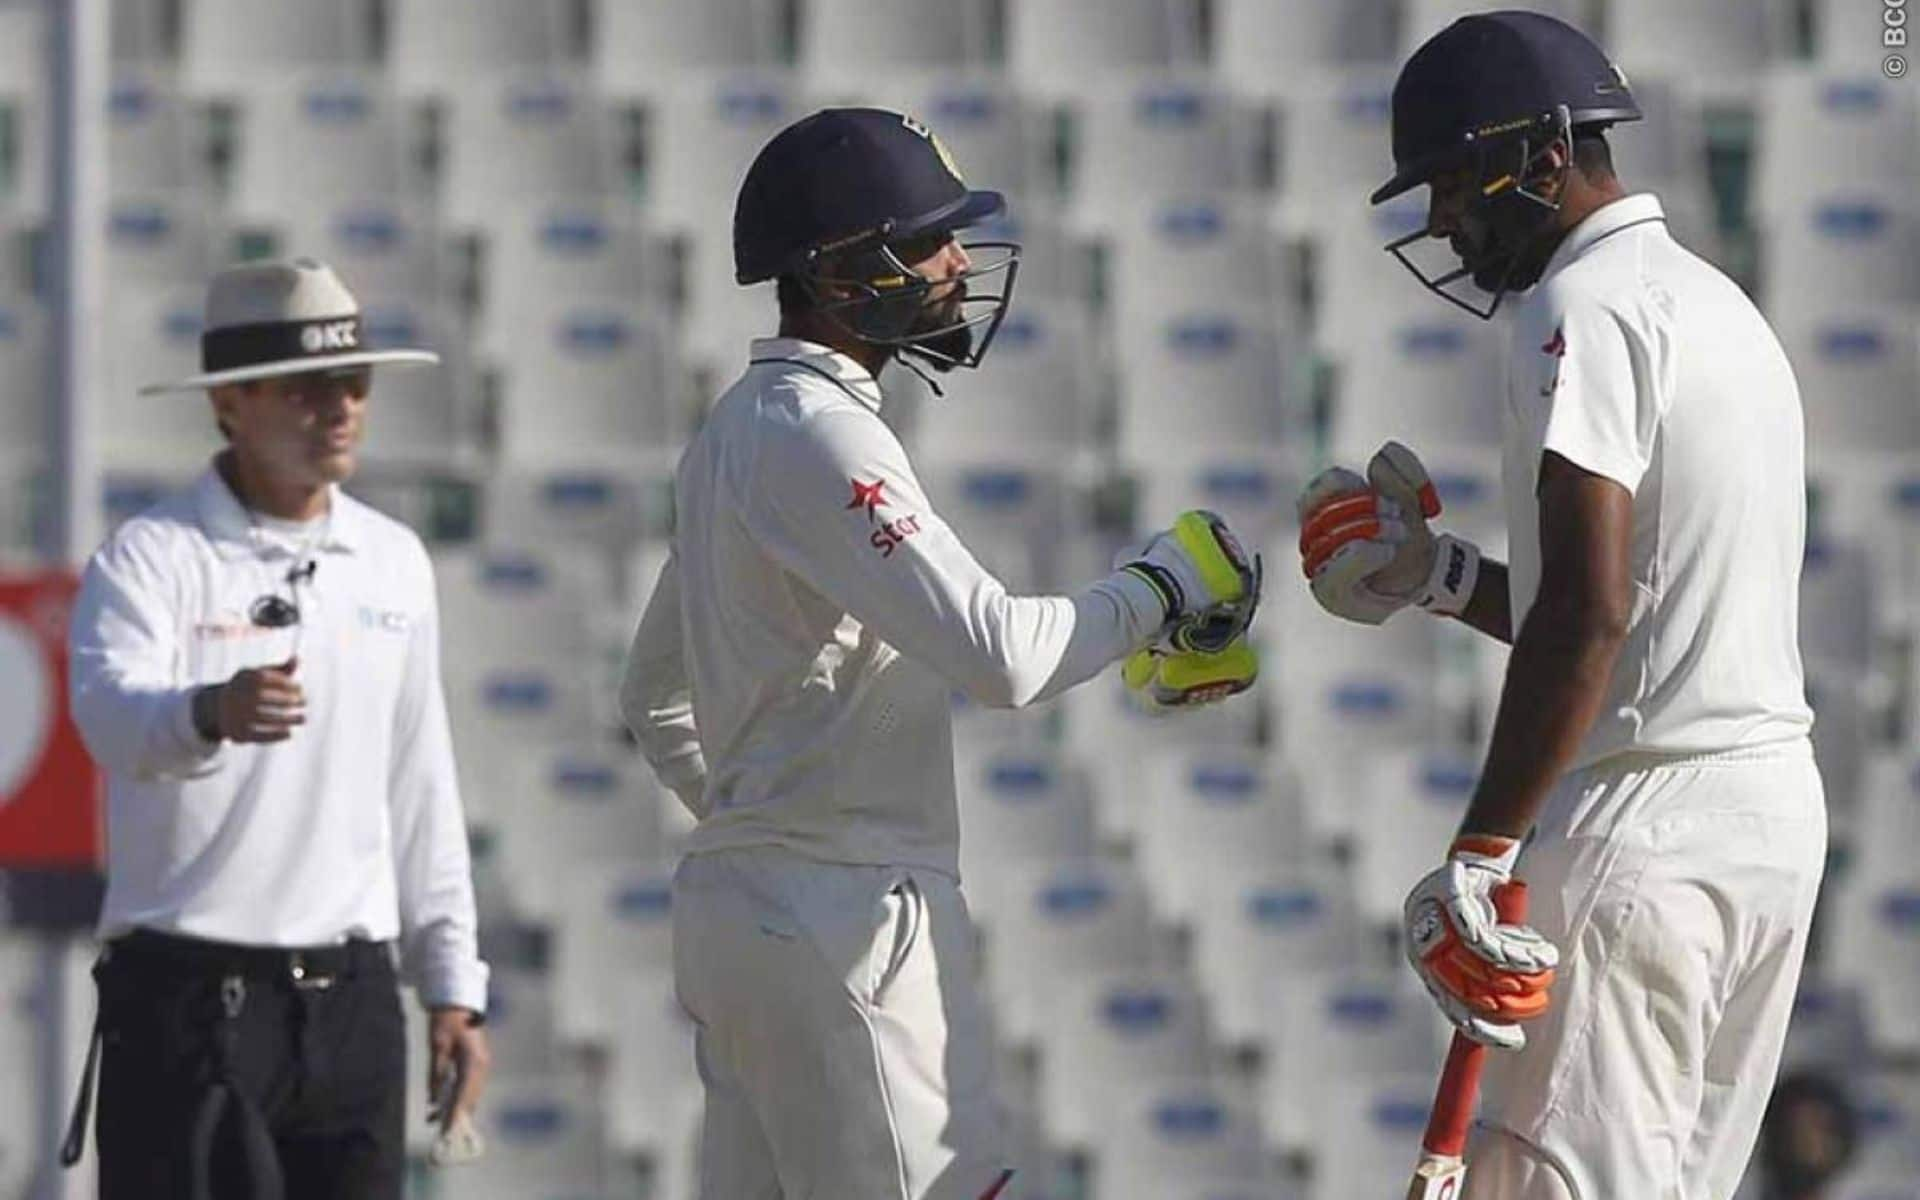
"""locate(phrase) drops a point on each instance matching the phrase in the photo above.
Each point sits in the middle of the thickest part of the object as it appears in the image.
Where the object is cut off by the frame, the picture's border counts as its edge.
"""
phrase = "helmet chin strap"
(904, 356)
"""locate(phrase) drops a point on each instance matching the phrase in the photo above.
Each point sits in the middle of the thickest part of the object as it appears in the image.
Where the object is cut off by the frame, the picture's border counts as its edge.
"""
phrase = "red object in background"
(50, 791)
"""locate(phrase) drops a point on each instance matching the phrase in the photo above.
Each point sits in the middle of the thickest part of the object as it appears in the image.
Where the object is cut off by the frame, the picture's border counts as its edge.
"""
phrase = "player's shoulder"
(800, 411)
(155, 536)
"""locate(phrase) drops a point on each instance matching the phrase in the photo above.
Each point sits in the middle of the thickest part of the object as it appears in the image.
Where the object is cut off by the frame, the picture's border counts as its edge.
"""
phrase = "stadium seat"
(1020, 808)
(1887, 1109)
(1348, 693)
(159, 241)
(1828, 1031)
(849, 39)
(544, 594)
(1839, 252)
(642, 49)
(1032, 400)
(1076, 918)
(581, 806)
(501, 712)
(139, 29)
(1838, 627)
(545, 258)
(615, 919)
(1718, 47)
(388, 251)
(653, 1091)
(436, 47)
(606, 511)
(1357, 284)
(544, 1141)
(993, 137)
(1160, 137)
(1256, 927)
(1327, 1027)
(1259, 46)
(1850, 37)
(1859, 375)
(1055, 48)
(23, 372)
(1056, 260)
(1414, 800)
(153, 142)
(1183, 253)
(230, 47)
(156, 338)
(25, 110)
(594, 385)
(1253, 491)
(319, 142)
(1334, 144)
(1817, 128)
(1366, 1130)
(1433, 378)
(21, 1037)
(700, 139)
(419, 418)
(1110, 1036)
(524, 140)
(1210, 815)
(1421, 19)
(1016, 517)
(1175, 1135)
(1208, 380)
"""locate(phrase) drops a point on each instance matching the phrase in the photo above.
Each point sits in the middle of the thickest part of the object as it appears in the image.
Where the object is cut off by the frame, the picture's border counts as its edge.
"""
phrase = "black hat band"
(240, 346)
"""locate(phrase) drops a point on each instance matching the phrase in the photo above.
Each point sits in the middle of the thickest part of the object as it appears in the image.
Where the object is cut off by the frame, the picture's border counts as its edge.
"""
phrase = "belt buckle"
(305, 980)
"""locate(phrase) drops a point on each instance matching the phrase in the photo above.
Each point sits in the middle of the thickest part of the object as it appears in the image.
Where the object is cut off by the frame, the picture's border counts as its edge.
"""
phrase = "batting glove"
(1166, 679)
(1207, 584)
(1486, 976)
(1365, 546)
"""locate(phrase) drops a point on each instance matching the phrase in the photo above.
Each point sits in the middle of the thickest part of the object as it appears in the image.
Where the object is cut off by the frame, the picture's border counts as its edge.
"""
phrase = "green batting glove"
(1166, 679)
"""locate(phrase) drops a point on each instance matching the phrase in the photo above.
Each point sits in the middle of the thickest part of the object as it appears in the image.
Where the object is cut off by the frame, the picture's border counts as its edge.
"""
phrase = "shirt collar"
(850, 375)
(225, 522)
(1607, 219)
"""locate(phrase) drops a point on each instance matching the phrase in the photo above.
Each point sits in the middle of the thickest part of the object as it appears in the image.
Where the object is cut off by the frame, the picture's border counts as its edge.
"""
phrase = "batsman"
(793, 674)
(1650, 749)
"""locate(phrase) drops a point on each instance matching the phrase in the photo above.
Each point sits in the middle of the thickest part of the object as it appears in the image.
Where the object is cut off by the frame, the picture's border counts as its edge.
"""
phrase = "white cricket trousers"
(1679, 891)
(839, 1032)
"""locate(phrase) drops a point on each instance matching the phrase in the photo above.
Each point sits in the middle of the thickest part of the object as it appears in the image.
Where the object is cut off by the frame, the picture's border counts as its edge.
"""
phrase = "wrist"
(1452, 578)
(1492, 851)
(204, 709)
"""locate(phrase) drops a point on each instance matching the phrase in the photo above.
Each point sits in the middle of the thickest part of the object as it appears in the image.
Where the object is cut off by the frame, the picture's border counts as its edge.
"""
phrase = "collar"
(853, 378)
(1610, 218)
(225, 522)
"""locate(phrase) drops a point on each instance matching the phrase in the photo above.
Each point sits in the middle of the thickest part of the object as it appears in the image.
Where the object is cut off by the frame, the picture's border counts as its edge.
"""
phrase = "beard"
(937, 328)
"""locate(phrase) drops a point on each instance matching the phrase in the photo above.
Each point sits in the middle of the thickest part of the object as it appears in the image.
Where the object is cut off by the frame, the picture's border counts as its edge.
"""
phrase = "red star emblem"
(868, 496)
(1556, 345)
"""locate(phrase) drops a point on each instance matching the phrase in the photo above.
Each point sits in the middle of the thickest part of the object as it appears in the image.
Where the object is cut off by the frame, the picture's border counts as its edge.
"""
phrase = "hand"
(1166, 679)
(1367, 550)
(458, 1062)
(1198, 568)
(259, 704)
(1486, 976)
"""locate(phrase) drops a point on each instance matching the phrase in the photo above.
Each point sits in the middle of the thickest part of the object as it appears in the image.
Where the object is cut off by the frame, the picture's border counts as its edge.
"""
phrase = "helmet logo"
(939, 147)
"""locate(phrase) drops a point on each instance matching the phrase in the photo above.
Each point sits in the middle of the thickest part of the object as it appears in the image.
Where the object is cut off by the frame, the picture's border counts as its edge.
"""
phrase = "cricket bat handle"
(1442, 1170)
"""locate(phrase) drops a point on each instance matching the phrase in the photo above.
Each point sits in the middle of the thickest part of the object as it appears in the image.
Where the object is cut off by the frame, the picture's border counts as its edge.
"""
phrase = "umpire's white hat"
(281, 318)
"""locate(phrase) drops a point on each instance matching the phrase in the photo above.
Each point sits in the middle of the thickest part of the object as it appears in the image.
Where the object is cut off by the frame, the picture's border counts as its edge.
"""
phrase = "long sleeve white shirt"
(793, 673)
(352, 827)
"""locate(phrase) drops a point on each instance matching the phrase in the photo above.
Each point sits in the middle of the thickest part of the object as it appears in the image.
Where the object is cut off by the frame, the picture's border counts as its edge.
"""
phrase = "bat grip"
(1453, 1101)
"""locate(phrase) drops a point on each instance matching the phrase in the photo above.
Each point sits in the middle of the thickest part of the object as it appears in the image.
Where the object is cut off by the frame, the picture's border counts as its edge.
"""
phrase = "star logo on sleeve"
(869, 496)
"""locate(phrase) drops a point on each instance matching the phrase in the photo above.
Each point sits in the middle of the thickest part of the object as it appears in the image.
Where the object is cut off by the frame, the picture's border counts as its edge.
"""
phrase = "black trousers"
(216, 1059)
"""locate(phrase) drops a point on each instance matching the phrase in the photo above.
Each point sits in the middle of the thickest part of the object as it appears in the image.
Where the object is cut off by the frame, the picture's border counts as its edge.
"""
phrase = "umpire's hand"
(259, 704)
(458, 1062)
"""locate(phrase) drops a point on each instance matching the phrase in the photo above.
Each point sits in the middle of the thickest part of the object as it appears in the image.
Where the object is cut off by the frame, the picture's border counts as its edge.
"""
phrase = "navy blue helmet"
(1492, 94)
(832, 200)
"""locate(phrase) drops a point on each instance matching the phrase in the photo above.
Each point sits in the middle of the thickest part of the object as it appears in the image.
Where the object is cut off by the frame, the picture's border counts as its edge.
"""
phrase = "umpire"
(255, 665)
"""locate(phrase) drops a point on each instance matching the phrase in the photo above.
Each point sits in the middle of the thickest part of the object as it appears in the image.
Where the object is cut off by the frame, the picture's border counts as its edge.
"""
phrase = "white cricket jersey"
(793, 674)
(353, 826)
(1637, 360)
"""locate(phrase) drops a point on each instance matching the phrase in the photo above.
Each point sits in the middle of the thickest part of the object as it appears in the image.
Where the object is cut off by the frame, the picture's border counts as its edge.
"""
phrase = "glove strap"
(1172, 596)
(1456, 569)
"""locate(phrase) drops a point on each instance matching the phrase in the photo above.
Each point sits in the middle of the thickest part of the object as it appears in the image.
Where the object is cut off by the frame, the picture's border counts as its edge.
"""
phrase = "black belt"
(305, 967)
